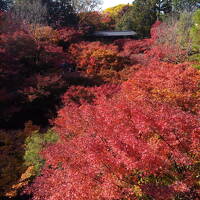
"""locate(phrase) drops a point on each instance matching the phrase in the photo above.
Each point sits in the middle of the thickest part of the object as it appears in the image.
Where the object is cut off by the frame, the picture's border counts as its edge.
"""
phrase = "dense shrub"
(130, 145)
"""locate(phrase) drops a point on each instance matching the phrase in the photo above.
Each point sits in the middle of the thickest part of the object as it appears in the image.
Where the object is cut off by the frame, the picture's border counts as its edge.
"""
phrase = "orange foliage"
(97, 59)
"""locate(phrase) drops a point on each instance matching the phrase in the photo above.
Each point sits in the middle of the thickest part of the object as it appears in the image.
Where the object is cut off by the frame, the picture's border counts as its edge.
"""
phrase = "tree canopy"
(140, 17)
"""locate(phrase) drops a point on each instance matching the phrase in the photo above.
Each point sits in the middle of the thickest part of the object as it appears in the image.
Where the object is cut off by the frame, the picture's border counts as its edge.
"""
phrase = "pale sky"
(111, 3)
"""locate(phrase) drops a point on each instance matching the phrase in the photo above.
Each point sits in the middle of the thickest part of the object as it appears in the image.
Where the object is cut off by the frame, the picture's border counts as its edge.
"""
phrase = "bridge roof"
(114, 33)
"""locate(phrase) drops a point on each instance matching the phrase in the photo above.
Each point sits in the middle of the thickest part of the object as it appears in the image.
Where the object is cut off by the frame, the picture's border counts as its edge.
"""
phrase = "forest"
(89, 118)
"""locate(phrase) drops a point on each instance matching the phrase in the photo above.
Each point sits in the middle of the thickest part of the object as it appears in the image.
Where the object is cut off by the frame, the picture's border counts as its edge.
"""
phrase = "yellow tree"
(116, 12)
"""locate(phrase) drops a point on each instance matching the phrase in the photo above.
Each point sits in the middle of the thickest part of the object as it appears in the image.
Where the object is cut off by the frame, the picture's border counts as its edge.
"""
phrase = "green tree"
(139, 18)
(143, 14)
(195, 30)
(195, 36)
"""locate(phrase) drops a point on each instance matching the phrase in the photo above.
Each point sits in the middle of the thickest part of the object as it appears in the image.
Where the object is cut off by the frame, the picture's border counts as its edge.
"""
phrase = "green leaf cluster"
(34, 145)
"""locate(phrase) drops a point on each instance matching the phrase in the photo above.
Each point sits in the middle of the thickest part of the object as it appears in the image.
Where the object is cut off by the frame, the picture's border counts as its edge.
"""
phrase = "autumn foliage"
(30, 68)
(126, 113)
(97, 59)
(95, 21)
(139, 142)
(23, 65)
